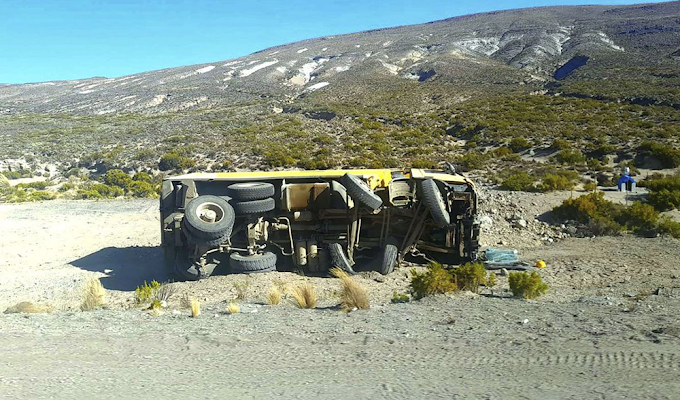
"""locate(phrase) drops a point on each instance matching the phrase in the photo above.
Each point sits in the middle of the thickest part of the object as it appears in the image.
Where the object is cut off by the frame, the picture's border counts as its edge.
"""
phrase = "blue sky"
(43, 40)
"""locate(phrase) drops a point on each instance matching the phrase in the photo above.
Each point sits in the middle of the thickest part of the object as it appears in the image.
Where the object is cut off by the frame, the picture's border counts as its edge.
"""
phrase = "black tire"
(264, 262)
(388, 259)
(202, 228)
(434, 201)
(247, 191)
(201, 241)
(254, 207)
(339, 258)
(360, 191)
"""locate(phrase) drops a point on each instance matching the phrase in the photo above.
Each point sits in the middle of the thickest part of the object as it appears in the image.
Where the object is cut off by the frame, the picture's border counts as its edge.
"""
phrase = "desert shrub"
(571, 157)
(664, 200)
(470, 276)
(99, 191)
(40, 195)
(592, 210)
(527, 285)
(304, 295)
(145, 155)
(93, 296)
(664, 191)
(491, 279)
(502, 152)
(195, 306)
(667, 155)
(142, 189)
(142, 177)
(638, 217)
(273, 296)
(66, 187)
(669, 227)
(116, 177)
(560, 144)
(21, 173)
(590, 186)
(518, 144)
(436, 280)
(174, 160)
(146, 291)
(519, 181)
(242, 288)
(400, 298)
(553, 182)
(352, 294)
(39, 185)
(473, 160)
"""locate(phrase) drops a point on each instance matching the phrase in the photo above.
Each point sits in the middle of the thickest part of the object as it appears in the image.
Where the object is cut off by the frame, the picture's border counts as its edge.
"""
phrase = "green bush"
(553, 182)
(142, 177)
(174, 160)
(519, 181)
(117, 177)
(570, 157)
(473, 160)
(99, 191)
(142, 189)
(592, 210)
(664, 200)
(66, 187)
(560, 144)
(470, 276)
(145, 291)
(39, 185)
(518, 144)
(638, 217)
(435, 280)
(669, 227)
(22, 173)
(668, 156)
(527, 285)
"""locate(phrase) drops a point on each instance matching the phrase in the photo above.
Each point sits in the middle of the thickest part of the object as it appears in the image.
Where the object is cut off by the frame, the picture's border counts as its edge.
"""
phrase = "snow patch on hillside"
(305, 73)
(205, 69)
(258, 67)
(317, 86)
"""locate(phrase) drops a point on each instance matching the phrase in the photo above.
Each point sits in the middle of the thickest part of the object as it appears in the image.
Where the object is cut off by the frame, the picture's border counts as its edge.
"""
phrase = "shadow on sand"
(129, 266)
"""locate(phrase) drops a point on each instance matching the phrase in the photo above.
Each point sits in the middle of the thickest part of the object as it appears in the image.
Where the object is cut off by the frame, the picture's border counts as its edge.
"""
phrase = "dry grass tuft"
(273, 296)
(195, 308)
(304, 295)
(233, 308)
(353, 295)
(29, 308)
(94, 295)
(242, 288)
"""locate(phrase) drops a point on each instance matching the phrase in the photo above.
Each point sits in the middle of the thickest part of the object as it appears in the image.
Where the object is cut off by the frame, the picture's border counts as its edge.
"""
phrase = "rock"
(525, 321)
(520, 223)
(504, 272)
(29, 308)
(379, 278)
(485, 221)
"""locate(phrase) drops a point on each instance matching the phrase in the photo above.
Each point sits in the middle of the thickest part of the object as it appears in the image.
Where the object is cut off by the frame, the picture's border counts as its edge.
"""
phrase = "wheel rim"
(210, 212)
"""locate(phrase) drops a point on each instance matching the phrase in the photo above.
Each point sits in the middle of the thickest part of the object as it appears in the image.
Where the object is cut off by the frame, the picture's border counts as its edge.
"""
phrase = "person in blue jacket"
(626, 182)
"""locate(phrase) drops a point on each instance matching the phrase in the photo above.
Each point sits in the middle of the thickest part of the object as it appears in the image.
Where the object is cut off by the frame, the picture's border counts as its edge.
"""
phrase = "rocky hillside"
(406, 95)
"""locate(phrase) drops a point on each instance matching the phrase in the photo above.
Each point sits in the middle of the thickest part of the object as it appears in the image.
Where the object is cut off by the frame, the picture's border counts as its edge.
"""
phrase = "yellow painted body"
(375, 177)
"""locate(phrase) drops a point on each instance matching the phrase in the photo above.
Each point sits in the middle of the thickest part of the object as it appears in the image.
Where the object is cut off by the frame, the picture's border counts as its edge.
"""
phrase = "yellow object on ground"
(540, 264)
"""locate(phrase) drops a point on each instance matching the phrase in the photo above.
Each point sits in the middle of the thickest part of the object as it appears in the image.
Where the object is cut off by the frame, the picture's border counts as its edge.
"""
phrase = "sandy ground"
(604, 330)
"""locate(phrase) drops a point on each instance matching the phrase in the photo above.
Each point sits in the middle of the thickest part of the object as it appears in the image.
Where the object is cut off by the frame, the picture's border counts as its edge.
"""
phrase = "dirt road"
(600, 332)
